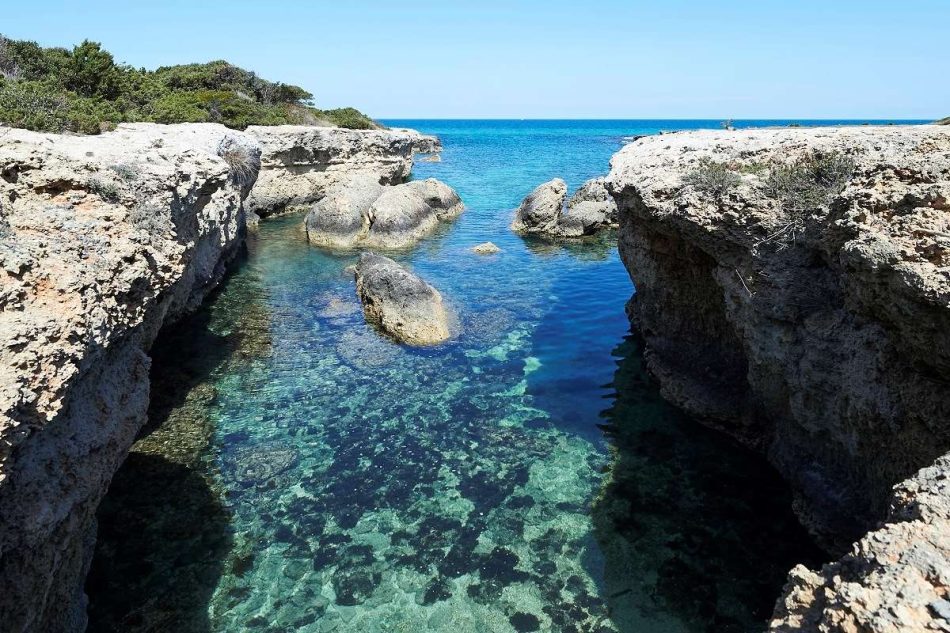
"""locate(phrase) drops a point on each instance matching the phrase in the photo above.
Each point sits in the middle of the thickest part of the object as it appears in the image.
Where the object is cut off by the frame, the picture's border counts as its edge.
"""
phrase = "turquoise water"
(301, 472)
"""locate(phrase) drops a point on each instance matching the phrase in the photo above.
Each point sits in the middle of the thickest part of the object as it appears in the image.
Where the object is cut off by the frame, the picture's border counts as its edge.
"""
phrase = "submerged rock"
(485, 249)
(399, 302)
(257, 464)
(589, 210)
(361, 212)
(540, 210)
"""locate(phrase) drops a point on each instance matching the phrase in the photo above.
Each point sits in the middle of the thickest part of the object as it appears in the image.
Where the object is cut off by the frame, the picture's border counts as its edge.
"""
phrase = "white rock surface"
(301, 163)
(102, 240)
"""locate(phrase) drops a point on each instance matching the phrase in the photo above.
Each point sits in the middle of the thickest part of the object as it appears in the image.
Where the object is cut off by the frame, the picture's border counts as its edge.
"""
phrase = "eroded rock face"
(894, 580)
(102, 240)
(818, 332)
(400, 302)
(361, 212)
(540, 210)
(301, 163)
(589, 210)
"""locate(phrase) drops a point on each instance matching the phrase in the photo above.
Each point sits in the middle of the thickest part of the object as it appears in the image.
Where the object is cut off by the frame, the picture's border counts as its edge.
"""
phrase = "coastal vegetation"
(944, 121)
(84, 90)
(809, 182)
(713, 178)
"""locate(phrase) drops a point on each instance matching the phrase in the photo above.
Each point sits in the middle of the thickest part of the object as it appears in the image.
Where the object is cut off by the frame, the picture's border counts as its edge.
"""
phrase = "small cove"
(302, 472)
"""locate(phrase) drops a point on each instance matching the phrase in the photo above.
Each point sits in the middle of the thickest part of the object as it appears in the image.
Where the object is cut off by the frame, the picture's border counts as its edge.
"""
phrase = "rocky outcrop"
(486, 248)
(894, 580)
(102, 240)
(400, 302)
(541, 208)
(301, 163)
(793, 289)
(589, 210)
(359, 212)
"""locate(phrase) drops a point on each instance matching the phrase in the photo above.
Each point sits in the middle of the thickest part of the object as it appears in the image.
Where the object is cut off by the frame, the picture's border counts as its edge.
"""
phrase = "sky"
(555, 59)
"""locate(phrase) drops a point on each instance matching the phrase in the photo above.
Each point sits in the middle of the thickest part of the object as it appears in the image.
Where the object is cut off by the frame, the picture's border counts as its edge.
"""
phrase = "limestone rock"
(487, 248)
(341, 218)
(815, 327)
(894, 579)
(540, 210)
(400, 302)
(440, 197)
(301, 163)
(103, 239)
(589, 210)
(360, 212)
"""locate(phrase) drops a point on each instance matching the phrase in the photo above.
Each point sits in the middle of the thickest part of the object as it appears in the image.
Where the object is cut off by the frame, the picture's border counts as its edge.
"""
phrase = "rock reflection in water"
(698, 533)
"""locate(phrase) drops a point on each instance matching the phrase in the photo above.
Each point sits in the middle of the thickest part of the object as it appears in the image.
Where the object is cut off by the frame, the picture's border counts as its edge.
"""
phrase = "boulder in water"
(341, 218)
(486, 248)
(540, 210)
(400, 302)
(589, 210)
(361, 212)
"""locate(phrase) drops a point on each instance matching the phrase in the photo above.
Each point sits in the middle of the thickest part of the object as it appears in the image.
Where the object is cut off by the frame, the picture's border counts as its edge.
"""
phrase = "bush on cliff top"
(84, 90)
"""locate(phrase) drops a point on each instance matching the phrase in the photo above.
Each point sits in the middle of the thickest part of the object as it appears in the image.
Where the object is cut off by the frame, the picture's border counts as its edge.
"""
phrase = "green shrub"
(811, 181)
(713, 178)
(33, 105)
(84, 90)
(349, 118)
(105, 189)
(804, 186)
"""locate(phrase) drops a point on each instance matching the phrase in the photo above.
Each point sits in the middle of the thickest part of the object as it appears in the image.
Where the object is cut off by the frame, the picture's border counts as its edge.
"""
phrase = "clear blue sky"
(613, 59)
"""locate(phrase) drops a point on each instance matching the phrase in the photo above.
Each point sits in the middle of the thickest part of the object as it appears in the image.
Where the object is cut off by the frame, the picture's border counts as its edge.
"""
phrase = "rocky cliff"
(103, 240)
(300, 163)
(793, 289)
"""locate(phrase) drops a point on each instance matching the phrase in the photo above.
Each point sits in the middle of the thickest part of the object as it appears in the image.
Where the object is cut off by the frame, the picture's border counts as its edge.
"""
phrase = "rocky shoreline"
(815, 333)
(103, 241)
(300, 163)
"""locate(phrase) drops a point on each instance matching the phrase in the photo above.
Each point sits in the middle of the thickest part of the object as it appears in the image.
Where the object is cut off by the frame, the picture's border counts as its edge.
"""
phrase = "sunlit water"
(304, 473)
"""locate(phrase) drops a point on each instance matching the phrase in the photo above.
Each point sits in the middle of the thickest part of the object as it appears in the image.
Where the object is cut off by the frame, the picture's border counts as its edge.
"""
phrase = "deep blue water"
(304, 473)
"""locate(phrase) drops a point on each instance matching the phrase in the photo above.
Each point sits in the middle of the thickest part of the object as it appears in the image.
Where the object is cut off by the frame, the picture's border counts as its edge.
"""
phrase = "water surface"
(303, 473)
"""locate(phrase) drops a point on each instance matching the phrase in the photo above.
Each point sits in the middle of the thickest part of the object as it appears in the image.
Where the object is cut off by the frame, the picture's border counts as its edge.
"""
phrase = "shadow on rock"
(163, 539)
(164, 532)
(697, 532)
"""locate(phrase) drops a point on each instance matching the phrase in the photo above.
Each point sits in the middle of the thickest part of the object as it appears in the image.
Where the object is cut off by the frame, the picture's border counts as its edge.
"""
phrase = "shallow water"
(303, 473)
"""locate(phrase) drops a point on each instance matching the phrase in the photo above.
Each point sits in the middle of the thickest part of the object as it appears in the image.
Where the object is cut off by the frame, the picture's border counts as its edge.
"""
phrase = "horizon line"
(515, 118)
